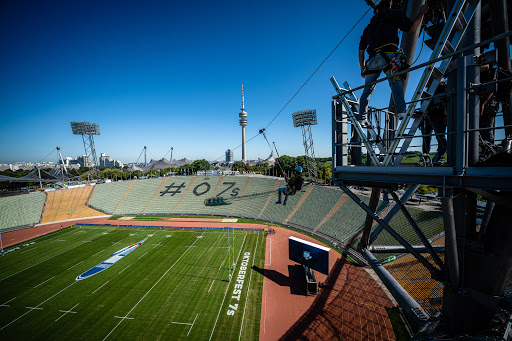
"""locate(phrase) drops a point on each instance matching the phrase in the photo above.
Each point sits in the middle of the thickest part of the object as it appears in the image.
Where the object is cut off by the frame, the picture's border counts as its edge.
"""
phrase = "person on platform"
(490, 106)
(436, 120)
(293, 184)
(380, 40)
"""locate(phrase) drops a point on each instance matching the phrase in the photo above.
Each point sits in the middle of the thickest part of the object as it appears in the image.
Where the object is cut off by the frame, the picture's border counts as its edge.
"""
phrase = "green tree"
(239, 165)
(200, 165)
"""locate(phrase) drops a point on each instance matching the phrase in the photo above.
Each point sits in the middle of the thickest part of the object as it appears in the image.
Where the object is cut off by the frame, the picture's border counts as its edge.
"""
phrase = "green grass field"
(174, 286)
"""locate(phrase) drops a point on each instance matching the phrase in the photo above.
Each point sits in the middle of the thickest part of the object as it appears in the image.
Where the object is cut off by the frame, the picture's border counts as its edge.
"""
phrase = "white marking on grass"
(270, 249)
(100, 287)
(200, 236)
(249, 287)
(71, 267)
(133, 234)
(74, 247)
(124, 269)
(169, 235)
(44, 282)
(115, 243)
(155, 245)
(222, 264)
(28, 250)
(211, 286)
(143, 255)
(5, 303)
(34, 308)
(190, 246)
(192, 326)
(227, 288)
(154, 285)
(88, 241)
(70, 311)
(125, 318)
(98, 252)
(150, 235)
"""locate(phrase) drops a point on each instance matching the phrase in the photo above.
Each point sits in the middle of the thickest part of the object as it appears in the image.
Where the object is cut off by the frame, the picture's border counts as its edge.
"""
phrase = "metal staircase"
(448, 42)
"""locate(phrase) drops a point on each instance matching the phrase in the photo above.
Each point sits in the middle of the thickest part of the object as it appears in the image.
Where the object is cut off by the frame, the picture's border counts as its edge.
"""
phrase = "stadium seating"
(199, 192)
(253, 200)
(139, 196)
(316, 207)
(68, 204)
(226, 197)
(165, 200)
(277, 213)
(21, 210)
(107, 196)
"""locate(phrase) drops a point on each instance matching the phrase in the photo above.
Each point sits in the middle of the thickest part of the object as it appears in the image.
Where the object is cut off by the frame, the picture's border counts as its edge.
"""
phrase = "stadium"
(385, 239)
(187, 259)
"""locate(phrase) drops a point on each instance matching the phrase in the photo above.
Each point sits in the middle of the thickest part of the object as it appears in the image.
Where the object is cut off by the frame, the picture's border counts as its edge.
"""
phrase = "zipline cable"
(319, 66)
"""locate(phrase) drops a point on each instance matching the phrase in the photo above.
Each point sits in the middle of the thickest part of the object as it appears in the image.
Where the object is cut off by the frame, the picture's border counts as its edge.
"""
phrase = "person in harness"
(380, 40)
(293, 185)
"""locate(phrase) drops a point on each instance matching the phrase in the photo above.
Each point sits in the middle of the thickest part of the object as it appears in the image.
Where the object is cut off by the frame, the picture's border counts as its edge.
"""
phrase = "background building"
(230, 156)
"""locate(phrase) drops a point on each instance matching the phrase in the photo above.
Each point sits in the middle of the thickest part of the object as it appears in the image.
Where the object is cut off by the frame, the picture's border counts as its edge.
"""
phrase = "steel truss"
(477, 261)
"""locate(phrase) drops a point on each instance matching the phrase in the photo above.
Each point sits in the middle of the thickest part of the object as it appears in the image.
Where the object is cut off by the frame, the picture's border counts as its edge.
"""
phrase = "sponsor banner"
(114, 258)
(176, 227)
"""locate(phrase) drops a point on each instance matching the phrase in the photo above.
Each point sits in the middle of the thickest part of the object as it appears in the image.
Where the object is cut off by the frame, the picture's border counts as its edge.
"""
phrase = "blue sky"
(169, 74)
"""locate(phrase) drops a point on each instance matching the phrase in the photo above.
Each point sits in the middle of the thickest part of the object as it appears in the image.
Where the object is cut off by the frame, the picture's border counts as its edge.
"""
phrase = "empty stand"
(21, 210)
(68, 204)
(107, 196)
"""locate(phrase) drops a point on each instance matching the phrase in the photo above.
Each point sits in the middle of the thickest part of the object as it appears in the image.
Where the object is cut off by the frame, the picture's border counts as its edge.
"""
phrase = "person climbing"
(380, 40)
(293, 185)
(435, 119)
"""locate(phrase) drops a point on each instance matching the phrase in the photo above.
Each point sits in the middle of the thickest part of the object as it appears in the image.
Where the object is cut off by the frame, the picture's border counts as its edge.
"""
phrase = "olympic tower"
(243, 123)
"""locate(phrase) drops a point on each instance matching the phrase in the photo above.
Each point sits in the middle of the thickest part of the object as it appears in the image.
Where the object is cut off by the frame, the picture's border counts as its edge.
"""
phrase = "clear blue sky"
(169, 73)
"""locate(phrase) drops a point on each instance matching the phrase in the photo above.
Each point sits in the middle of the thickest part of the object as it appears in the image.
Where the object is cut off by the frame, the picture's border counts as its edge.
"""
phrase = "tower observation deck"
(467, 37)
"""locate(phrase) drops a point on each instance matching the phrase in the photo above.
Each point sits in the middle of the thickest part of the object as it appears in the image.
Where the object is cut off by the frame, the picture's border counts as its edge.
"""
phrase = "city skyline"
(168, 75)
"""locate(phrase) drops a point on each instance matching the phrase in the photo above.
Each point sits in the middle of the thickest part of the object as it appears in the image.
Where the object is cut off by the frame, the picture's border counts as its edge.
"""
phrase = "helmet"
(298, 169)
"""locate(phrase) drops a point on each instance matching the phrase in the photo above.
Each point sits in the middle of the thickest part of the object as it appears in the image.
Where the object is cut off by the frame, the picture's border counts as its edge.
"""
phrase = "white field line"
(270, 249)
(125, 318)
(222, 264)
(156, 245)
(182, 323)
(249, 287)
(71, 267)
(211, 286)
(5, 303)
(100, 287)
(44, 282)
(74, 247)
(34, 308)
(124, 269)
(154, 285)
(32, 249)
(8, 324)
(192, 325)
(70, 311)
(227, 289)
(143, 255)
(98, 252)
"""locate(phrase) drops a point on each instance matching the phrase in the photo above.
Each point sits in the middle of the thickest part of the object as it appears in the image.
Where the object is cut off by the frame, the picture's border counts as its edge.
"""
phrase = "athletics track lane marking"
(70, 311)
(74, 247)
(37, 306)
(5, 303)
(249, 287)
(227, 289)
(270, 251)
(154, 285)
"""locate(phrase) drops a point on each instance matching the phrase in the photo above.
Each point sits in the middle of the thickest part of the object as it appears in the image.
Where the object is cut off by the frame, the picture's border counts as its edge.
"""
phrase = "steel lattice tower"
(88, 130)
(305, 119)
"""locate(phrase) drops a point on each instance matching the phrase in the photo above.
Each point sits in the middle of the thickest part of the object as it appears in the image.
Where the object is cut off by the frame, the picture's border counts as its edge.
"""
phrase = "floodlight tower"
(243, 123)
(305, 119)
(88, 130)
